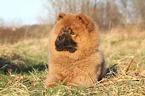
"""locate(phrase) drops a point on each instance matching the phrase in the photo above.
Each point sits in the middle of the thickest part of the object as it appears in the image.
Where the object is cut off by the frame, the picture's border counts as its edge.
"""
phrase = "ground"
(24, 66)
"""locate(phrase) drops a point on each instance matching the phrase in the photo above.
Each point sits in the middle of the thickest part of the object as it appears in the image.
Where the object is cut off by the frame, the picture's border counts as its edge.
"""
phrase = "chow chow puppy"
(74, 58)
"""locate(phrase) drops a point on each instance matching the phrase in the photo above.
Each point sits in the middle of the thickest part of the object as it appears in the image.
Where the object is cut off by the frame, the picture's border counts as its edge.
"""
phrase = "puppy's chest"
(73, 68)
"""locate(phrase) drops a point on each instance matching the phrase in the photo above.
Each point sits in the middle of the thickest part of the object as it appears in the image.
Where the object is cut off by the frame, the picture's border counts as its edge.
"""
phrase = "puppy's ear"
(83, 18)
(87, 21)
(60, 16)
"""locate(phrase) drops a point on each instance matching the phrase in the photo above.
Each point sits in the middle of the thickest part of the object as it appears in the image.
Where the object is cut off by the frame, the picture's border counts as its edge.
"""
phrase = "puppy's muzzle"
(64, 42)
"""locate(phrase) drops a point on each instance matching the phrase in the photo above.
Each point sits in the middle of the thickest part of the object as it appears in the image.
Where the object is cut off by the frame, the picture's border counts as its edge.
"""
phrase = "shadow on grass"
(19, 66)
(111, 71)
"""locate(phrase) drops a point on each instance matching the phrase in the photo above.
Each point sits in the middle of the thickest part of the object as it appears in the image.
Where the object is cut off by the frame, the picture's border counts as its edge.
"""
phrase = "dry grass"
(124, 48)
(13, 35)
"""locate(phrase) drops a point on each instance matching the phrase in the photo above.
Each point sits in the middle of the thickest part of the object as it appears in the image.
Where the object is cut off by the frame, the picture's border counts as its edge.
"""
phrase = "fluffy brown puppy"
(74, 57)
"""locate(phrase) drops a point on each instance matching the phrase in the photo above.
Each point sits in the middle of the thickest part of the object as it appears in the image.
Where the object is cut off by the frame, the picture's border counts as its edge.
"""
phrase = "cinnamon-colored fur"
(84, 66)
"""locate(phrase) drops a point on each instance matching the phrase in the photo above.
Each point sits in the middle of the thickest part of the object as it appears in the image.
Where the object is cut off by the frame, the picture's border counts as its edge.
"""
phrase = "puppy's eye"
(72, 33)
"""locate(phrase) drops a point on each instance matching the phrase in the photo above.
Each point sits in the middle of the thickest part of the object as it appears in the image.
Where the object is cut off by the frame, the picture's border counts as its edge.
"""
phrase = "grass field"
(27, 59)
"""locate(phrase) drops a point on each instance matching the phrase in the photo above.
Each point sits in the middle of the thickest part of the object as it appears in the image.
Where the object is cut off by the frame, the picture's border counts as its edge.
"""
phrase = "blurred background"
(21, 19)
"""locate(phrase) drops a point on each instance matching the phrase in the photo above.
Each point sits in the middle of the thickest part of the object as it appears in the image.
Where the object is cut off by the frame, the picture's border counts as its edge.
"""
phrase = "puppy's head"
(74, 32)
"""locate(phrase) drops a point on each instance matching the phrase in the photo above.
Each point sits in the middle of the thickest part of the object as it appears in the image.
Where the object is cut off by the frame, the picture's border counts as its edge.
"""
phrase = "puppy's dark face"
(64, 41)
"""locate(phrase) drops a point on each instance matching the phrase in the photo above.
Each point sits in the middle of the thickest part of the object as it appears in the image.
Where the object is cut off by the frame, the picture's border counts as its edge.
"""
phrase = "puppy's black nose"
(60, 38)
